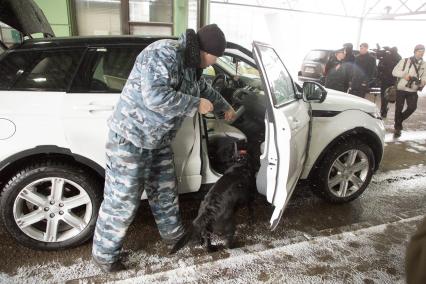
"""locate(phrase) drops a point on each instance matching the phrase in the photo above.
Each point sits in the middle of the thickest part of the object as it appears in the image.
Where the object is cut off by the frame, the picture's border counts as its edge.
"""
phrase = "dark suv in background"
(313, 65)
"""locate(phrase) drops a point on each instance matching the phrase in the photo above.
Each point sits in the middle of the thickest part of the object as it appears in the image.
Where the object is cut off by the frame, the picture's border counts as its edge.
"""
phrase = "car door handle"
(95, 107)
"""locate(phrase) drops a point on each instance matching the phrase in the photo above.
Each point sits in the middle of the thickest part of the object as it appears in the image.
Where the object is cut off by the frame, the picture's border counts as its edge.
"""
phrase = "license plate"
(309, 70)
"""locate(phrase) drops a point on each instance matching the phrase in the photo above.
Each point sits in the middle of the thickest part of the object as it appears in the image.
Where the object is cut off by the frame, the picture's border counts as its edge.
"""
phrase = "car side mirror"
(313, 91)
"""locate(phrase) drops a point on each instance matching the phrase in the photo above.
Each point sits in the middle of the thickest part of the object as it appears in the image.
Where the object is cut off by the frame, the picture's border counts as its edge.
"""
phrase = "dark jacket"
(385, 67)
(332, 62)
(415, 261)
(364, 71)
(338, 76)
(350, 57)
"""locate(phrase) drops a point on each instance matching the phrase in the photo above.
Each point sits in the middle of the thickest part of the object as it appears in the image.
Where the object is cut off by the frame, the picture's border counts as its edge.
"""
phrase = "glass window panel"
(13, 65)
(9, 36)
(192, 14)
(209, 71)
(151, 11)
(151, 30)
(112, 68)
(317, 56)
(242, 69)
(98, 17)
(279, 80)
(52, 71)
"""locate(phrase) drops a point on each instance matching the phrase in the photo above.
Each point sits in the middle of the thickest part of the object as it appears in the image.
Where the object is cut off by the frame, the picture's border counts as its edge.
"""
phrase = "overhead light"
(39, 80)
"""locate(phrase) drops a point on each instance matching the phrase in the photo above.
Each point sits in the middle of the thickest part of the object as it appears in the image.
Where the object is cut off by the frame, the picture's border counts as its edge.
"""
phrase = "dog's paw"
(212, 248)
(251, 221)
(235, 244)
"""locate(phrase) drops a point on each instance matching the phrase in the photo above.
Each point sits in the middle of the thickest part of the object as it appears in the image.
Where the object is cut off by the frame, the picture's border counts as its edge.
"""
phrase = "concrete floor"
(363, 241)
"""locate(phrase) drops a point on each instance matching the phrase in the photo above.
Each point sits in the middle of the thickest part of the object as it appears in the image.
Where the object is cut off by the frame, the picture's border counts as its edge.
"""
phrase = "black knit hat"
(212, 40)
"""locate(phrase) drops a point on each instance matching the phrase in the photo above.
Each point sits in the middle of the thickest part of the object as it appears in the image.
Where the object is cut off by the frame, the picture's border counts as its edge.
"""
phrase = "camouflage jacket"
(159, 93)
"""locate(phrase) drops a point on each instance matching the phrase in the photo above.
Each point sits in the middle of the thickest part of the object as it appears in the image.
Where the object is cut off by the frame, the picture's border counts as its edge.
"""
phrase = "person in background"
(411, 74)
(363, 73)
(387, 62)
(349, 51)
(337, 76)
(415, 258)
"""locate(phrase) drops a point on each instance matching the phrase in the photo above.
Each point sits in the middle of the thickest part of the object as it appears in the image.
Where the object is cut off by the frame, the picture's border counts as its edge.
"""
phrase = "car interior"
(239, 83)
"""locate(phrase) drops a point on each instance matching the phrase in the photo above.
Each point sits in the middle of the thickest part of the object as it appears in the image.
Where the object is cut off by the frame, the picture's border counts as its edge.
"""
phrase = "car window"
(51, 71)
(279, 80)
(242, 69)
(12, 65)
(209, 71)
(111, 68)
(317, 56)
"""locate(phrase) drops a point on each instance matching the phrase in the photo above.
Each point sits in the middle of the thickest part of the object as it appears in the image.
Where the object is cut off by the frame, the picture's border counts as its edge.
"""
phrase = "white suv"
(56, 95)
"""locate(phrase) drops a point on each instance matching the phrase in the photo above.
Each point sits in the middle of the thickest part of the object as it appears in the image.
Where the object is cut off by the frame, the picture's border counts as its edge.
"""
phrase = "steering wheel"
(220, 82)
(238, 96)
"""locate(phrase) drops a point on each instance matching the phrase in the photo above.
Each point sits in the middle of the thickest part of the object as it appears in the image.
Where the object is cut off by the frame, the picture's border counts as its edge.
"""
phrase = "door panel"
(96, 91)
(287, 125)
(85, 125)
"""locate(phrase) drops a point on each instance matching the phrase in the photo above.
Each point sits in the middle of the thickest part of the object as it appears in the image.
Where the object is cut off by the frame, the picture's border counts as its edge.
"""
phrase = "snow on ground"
(354, 254)
(418, 136)
(417, 145)
(353, 257)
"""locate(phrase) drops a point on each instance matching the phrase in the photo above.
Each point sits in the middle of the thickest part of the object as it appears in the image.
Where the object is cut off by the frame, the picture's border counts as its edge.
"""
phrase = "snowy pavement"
(360, 256)
(369, 248)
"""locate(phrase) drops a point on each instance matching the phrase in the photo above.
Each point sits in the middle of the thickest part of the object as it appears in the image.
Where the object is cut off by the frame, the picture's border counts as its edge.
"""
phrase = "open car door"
(286, 129)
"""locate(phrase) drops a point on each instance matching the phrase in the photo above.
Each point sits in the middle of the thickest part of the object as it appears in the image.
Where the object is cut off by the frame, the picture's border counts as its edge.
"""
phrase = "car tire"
(44, 219)
(345, 171)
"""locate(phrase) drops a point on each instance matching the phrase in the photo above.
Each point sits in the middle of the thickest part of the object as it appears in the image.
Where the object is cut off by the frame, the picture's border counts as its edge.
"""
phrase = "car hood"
(339, 101)
(25, 16)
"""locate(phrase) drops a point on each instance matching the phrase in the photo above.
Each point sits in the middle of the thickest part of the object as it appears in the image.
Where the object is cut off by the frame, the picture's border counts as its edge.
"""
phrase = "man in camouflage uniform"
(163, 88)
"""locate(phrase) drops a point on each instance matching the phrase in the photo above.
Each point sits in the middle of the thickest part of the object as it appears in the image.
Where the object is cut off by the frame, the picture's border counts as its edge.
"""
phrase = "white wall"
(403, 34)
(294, 34)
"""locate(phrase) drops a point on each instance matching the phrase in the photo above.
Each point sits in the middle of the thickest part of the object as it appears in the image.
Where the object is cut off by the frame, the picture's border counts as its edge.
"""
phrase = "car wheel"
(345, 171)
(50, 206)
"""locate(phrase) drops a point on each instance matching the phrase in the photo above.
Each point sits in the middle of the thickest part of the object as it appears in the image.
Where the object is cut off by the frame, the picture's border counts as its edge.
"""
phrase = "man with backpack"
(411, 74)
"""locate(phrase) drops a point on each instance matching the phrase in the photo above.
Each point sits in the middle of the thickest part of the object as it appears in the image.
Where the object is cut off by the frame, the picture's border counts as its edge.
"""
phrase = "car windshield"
(240, 68)
(317, 56)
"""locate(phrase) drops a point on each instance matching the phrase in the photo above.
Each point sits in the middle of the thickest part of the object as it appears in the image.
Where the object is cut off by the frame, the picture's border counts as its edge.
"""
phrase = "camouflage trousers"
(129, 171)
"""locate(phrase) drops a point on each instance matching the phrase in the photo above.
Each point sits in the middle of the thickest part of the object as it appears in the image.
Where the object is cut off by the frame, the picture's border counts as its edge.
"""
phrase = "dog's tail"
(189, 234)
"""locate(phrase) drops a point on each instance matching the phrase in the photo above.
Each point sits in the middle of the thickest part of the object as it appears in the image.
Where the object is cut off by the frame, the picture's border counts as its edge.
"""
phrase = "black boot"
(397, 133)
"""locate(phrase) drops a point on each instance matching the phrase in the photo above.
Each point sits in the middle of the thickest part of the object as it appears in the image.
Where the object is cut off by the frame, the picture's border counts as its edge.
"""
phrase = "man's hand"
(205, 106)
(230, 114)
(407, 77)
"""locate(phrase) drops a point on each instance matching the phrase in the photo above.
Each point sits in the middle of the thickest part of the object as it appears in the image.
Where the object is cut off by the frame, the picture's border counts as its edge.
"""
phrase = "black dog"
(236, 188)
